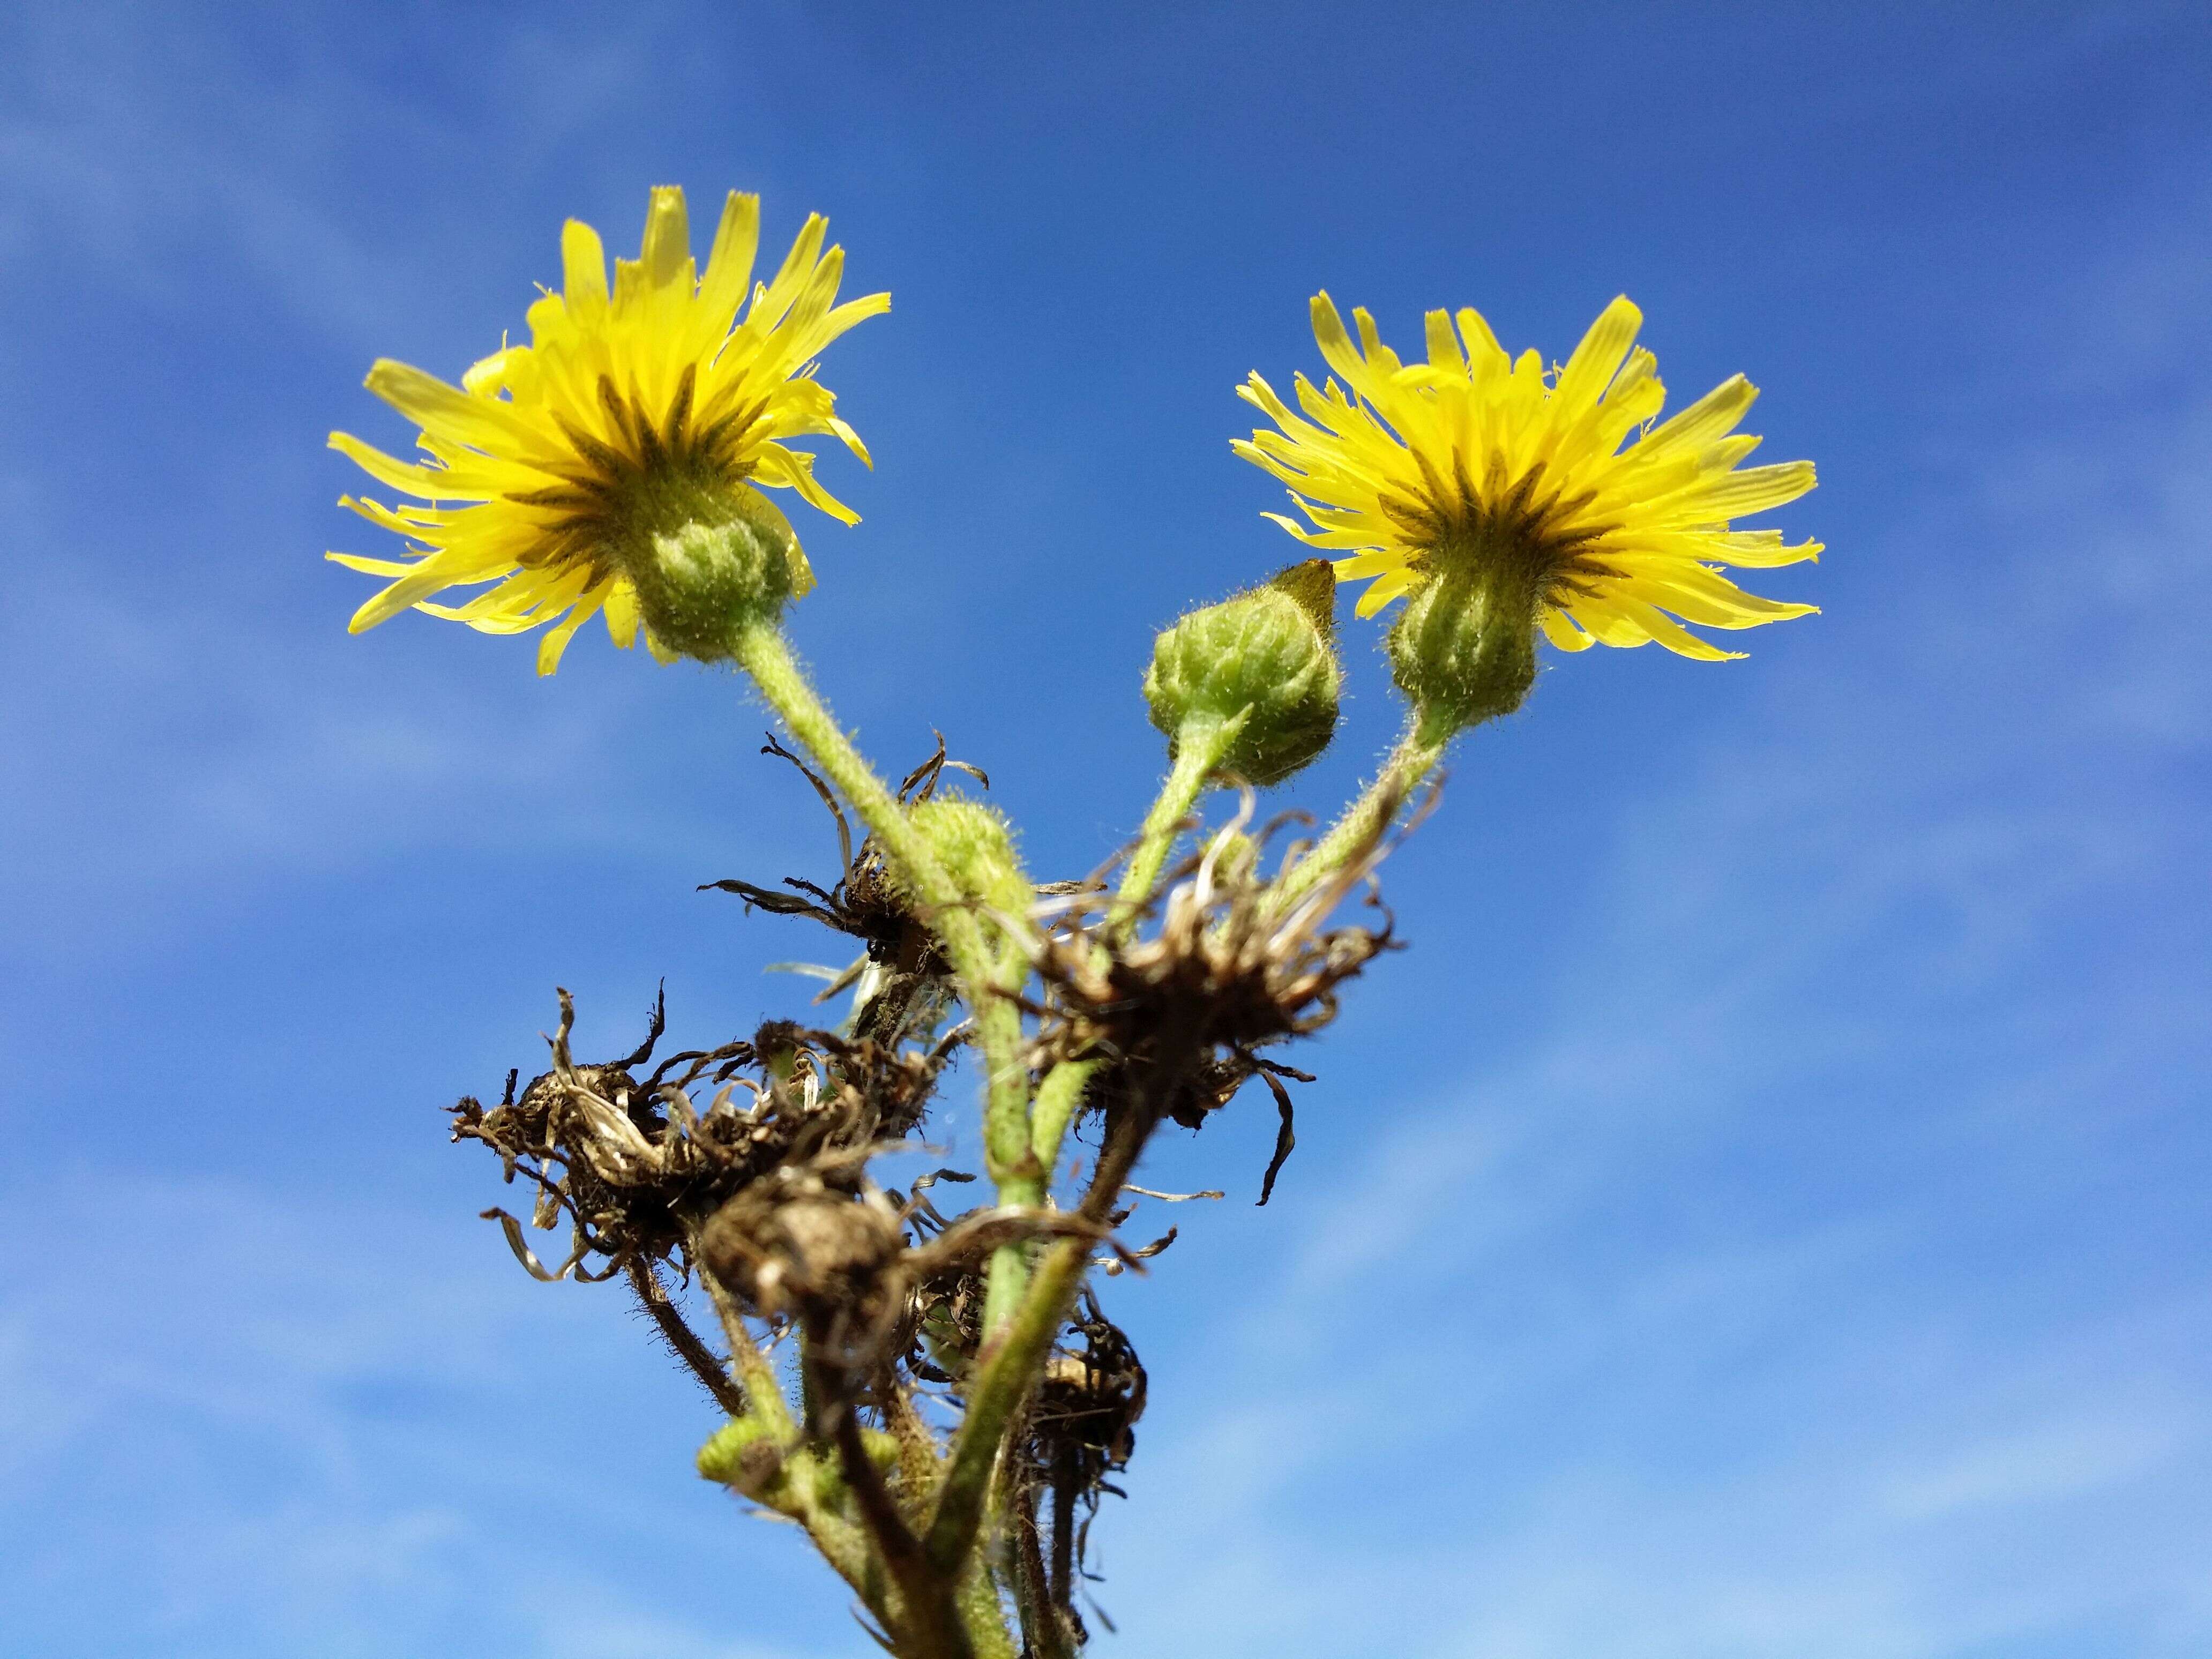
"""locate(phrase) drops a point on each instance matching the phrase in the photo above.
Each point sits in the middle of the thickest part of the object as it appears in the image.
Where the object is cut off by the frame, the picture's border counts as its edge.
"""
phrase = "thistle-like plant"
(939, 1398)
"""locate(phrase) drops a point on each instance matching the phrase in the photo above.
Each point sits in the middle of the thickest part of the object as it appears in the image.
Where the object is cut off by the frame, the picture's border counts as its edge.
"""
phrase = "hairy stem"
(1007, 1089)
(1063, 1529)
(763, 652)
(1199, 747)
(681, 1339)
(1057, 1098)
(1041, 1620)
(933, 1624)
(764, 1390)
(981, 1612)
(918, 1454)
(1418, 751)
(1002, 1382)
(1008, 1370)
(839, 1541)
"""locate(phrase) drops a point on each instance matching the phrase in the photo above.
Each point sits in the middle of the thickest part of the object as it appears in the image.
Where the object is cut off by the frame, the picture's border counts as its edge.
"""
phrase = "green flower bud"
(744, 1455)
(977, 850)
(1464, 649)
(728, 561)
(1266, 659)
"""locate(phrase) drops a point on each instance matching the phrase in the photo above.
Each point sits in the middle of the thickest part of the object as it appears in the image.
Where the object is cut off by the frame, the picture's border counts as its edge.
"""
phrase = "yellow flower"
(1474, 461)
(627, 416)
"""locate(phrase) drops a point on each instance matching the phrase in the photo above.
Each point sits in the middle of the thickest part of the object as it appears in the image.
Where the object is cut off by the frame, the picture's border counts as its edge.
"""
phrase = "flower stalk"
(1419, 749)
(759, 647)
(1200, 744)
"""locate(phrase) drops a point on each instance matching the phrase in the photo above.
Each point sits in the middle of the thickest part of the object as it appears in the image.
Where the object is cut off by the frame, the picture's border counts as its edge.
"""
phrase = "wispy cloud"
(109, 150)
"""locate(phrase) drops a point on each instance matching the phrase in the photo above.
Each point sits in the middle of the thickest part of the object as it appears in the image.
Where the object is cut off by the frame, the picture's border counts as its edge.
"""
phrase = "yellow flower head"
(1474, 461)
(628, 415)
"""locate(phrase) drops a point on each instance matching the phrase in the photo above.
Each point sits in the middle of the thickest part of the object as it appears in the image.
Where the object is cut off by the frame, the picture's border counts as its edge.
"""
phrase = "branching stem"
(763, 652)
(933, 1626)
(1002, 1380)
(1007, 1369)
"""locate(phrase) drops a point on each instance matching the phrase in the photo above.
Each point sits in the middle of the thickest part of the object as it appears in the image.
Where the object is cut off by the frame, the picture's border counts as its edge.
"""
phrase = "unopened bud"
(713, 566)
(744, 1455)
(1464, 649)
(1266, 658)
(977, 850)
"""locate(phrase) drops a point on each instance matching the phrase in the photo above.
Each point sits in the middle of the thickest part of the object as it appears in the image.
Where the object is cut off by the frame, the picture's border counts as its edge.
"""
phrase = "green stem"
(1007, 1137)
(1004, 1373)
(1002, 1382)
(763, 1389)
(1199, 746)
(843, 1546)
(1005, 1279)
(839, 1541)
(1057, 1098)
(1021, 1317)
(1040, 1614)
(653, 1296)
(981, 1612)
(1418, 749)
(934, 1626)
(762, 651)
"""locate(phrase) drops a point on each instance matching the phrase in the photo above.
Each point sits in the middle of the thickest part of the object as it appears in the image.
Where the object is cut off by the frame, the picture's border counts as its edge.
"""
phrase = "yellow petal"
(1598, 358)
(445, 411)
(583, 273)
(1561, 631)
(622, 615)
(730, 264)
(666, 248)
(549, 648)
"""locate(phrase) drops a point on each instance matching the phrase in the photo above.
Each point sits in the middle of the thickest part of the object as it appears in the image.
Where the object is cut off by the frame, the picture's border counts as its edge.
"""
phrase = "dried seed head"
(637, 1164)
(811, 1255)
(1225, 968)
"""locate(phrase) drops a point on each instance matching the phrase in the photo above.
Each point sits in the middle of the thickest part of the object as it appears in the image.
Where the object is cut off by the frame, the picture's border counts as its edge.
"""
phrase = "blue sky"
(1763, 1213)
